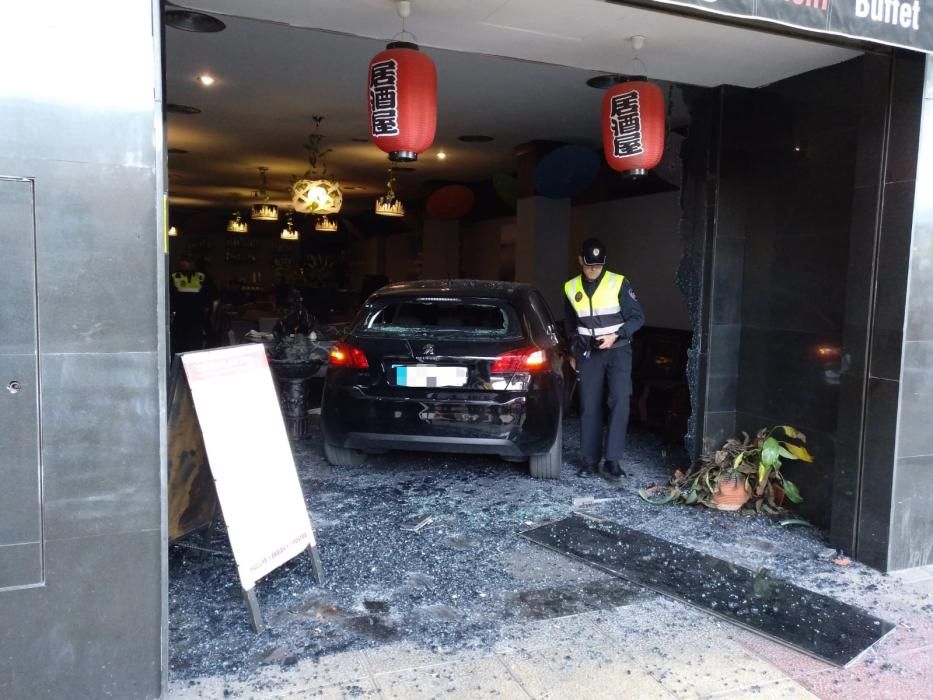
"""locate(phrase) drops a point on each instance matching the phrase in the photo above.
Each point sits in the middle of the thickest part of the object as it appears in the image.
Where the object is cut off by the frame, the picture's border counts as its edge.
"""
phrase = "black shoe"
(610, 471)
(588, 468)
(616, 468)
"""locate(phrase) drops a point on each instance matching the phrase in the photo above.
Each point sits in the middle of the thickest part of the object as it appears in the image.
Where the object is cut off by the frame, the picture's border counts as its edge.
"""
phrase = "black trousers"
(602, 369)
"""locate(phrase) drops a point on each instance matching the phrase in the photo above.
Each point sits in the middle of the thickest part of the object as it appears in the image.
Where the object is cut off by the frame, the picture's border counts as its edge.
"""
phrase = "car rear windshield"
(487, 318)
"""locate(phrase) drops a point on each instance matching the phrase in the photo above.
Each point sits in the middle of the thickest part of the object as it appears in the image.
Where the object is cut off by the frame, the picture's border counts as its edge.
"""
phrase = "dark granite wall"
(81, 133)
(700, 156)
(786, 191)
(803, 288)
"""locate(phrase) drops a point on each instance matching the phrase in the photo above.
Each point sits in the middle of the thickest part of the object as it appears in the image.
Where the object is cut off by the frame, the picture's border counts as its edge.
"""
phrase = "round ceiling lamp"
(566, 171)
(402, 95)
(506, 186)
(315, 192)
(449, 202)
(190, 21)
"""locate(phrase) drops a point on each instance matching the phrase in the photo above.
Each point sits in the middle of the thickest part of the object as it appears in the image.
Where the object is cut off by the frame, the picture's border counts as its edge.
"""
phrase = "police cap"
(593, 252)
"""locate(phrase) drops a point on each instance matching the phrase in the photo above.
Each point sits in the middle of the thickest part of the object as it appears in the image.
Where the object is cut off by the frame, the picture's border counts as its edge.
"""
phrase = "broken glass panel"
(807, 621)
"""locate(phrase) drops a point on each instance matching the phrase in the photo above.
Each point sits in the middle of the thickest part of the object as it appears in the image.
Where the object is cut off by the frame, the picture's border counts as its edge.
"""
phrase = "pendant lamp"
(402, 94)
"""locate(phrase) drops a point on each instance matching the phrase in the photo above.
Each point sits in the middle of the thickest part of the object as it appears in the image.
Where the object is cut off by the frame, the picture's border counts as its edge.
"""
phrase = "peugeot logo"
(428, 350)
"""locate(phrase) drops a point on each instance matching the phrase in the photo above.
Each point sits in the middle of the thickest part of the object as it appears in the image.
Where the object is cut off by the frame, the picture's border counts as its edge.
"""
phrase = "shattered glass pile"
(453, 584)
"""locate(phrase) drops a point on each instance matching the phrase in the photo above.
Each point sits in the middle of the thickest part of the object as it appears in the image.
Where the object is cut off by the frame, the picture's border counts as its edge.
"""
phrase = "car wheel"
(340, 457)
(547, 466)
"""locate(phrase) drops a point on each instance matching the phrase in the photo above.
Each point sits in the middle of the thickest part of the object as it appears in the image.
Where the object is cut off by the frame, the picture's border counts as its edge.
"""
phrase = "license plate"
(430, 376)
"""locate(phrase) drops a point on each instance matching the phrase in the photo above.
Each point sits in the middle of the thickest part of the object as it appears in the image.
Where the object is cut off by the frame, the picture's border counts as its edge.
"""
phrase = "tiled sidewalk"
(650, 649)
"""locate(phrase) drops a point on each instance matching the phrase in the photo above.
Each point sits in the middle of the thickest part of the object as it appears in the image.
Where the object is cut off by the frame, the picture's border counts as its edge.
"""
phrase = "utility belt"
(586, 345)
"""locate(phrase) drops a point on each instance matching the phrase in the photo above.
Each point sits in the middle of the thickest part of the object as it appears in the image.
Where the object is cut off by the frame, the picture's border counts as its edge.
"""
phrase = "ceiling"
(514, 70)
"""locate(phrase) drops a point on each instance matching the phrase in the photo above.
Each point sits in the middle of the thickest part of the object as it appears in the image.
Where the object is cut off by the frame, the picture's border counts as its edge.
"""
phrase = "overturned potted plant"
(742, 470)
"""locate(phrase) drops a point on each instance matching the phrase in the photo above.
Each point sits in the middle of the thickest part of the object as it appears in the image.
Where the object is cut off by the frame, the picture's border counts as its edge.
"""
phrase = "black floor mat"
(807, 621)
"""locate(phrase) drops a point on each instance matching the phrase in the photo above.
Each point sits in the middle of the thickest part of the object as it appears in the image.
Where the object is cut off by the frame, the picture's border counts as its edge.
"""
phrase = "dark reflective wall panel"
(781, 250)
(81, 120)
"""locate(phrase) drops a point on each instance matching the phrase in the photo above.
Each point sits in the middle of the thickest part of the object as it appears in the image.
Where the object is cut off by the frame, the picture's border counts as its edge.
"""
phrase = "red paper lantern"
(633, 126)
(449, 202)
(402, 101)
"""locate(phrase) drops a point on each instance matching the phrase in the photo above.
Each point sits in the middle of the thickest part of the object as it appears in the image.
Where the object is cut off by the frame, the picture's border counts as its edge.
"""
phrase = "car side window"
(541, 322)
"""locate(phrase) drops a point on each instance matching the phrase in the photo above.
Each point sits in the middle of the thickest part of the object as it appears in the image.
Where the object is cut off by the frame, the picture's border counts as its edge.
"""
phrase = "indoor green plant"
(749, 464)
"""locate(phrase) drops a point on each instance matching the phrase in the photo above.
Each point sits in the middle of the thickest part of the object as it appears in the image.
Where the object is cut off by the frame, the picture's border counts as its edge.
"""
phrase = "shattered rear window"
(487, 318)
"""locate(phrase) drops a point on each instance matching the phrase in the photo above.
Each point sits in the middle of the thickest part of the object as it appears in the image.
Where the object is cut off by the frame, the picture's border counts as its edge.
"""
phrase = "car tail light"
(524, 360)
(345, 355)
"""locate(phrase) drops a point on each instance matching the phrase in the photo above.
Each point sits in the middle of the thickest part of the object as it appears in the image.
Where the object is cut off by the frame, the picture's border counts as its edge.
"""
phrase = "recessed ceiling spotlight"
(475, 138)
(604, 82)
(441, 155)
(206, 79)
(181, 109)
(177, 152)
(193, 21)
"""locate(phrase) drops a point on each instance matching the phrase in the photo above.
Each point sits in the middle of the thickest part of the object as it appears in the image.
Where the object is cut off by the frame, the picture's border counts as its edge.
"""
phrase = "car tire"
(547, 466)
(341, 457)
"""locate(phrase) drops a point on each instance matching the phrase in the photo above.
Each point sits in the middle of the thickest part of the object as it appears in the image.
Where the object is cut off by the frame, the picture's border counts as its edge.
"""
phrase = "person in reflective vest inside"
(601, 313)
(191, 297)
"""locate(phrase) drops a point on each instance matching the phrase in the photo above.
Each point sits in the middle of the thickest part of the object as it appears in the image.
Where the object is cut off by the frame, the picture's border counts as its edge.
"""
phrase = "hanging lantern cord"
(313, 147)
(637, 43)
(403, 8)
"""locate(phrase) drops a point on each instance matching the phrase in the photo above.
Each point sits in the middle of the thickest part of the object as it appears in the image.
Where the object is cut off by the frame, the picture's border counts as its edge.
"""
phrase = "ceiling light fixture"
(190, 21)
(181, 109)
(475, 138)
(325, 224)
(633, 122)
(402, 97)
(236, 224)
(262, 210)
(289, 233)
(388, 204)
(206, 79)
(172, 232)
(315, 192)
(441, 155)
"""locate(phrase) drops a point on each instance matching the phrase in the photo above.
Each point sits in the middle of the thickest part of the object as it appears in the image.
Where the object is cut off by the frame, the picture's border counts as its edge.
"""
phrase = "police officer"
(192, 295)
(601, 313)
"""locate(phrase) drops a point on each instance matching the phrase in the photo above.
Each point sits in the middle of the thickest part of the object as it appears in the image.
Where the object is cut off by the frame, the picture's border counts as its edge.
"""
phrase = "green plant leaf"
(798, 452)
(796, 521)
(672, 495)
(770, 452)
(739, 458)
(788, 431)
(691, 497)
(791, 491)
(762, 472)
(782, 451)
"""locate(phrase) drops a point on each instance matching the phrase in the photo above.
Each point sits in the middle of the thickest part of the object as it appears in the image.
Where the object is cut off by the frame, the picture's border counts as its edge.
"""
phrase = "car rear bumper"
(502, 423)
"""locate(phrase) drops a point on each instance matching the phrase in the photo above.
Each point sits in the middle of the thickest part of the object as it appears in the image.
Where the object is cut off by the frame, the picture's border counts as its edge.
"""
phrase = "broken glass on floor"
(804, 620)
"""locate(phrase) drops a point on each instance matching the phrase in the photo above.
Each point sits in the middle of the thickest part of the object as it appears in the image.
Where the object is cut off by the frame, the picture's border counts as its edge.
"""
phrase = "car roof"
(456, 287)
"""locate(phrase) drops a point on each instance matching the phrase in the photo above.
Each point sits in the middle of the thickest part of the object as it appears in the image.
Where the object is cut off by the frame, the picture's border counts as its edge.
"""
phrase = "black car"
(461, 366)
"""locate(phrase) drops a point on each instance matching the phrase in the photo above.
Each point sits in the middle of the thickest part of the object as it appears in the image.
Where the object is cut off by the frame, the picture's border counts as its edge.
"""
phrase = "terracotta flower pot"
(732, 495)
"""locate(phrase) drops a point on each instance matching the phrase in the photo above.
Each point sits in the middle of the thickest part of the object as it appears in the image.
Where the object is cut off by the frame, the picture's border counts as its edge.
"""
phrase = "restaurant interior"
(261, 100)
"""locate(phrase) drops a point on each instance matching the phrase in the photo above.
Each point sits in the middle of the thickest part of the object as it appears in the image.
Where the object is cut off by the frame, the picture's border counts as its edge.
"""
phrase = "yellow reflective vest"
(600, 314)
(188, 283)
